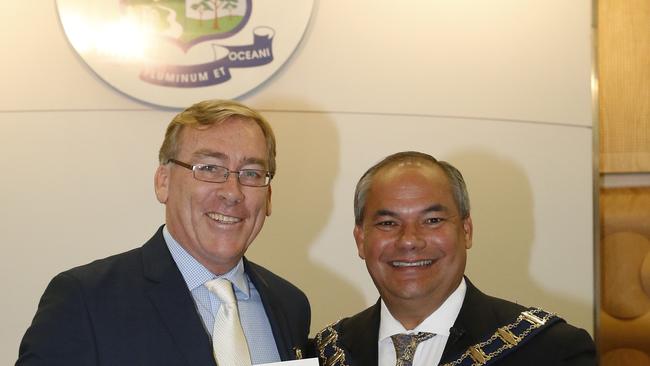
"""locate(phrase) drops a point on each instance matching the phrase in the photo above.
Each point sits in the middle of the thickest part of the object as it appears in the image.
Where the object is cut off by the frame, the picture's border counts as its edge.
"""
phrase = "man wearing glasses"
(187, 296)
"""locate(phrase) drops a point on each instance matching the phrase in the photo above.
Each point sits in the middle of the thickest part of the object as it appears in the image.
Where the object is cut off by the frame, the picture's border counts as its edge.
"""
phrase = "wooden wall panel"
(624, 333)
(624, 85)
(624, 110)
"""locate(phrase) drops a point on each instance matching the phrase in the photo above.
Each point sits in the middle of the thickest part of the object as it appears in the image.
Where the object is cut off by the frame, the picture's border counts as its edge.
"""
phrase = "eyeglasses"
(218, 174)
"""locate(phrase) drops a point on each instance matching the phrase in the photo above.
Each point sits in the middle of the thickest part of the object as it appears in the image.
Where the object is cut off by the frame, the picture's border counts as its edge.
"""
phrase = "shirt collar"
(195, 274)
(437, 322)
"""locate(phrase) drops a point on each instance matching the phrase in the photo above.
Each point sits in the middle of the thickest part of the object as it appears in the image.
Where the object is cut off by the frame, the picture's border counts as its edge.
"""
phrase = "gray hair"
(459, 189)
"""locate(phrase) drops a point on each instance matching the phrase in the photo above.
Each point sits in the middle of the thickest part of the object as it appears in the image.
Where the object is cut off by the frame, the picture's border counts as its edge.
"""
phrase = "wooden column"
(624, 111)
(624, 85)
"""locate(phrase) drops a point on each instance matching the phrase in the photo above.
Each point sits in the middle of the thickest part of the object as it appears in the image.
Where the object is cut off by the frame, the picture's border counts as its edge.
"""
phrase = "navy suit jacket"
(480, 315)
(135, 308)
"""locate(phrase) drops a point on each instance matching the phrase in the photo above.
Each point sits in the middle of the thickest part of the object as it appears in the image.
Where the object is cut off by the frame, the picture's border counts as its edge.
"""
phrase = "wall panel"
(624, 78)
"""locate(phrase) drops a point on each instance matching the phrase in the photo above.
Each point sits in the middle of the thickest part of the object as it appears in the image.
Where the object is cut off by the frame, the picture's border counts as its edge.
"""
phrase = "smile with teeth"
(421, 263)
(223, 219)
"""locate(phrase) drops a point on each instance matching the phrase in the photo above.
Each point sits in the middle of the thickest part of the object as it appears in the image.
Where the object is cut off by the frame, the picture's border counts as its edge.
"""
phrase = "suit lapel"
(474, 321)
(360, 336)
(277, 318)
(171, 297)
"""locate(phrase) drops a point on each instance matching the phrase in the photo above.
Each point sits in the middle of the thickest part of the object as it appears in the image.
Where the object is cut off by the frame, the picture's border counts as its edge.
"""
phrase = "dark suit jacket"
(135, 308)
(480, 316)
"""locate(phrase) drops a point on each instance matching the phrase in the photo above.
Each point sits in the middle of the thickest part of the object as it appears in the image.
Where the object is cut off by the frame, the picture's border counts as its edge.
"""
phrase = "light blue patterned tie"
(405, 345)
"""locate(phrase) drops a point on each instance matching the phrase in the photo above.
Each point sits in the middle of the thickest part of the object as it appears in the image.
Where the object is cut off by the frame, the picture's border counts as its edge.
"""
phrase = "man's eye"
(251, 173)
(387, 223)
(434, 220)
(209, 168)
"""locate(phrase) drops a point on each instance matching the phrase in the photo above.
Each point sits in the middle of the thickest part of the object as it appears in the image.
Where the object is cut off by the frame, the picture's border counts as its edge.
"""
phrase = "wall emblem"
(176, 52)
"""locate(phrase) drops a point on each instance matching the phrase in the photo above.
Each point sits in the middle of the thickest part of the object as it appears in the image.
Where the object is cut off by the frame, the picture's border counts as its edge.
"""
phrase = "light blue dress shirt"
(257, 329)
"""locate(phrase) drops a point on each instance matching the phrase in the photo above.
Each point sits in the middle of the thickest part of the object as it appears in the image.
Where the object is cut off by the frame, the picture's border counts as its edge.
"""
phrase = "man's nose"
(410, 237)
(230, 190)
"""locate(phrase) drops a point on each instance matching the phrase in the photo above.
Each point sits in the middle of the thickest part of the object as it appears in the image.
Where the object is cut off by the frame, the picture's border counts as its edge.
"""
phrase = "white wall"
(501, 89)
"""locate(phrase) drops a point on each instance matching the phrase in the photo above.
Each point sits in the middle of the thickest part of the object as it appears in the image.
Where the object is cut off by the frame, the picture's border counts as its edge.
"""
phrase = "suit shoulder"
(504, 310)
(127, 261)
(110, 276)
(509, 310)
(565, 336)
(557, 344)
(126, 264)
(560, 340)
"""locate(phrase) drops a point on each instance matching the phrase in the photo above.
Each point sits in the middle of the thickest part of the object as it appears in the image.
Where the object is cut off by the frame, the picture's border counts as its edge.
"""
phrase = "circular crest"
(174, 53)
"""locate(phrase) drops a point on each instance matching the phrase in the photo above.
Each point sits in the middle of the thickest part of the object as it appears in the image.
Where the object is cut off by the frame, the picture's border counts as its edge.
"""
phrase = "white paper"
(305, 362)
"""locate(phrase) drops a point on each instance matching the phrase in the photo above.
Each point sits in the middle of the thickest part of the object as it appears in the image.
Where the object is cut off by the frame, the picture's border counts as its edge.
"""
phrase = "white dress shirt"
(428, 352)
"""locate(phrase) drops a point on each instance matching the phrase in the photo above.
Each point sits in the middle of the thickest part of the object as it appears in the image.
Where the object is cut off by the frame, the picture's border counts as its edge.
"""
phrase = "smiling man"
(187, 296)
(413, 229)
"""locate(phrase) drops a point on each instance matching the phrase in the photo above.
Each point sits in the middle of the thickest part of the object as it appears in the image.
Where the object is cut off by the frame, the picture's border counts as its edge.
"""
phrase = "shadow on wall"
(308, 164)
(504, 230)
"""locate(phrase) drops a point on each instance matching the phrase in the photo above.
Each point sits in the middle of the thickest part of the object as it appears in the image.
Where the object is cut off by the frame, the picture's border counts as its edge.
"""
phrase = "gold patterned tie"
(228, 340)
(405, 345)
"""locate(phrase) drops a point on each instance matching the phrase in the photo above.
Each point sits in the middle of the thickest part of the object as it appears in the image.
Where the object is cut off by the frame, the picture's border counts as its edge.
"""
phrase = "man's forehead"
(225, 157)
(424, 209)
(241, 127)
(236, 142)
(423, 184)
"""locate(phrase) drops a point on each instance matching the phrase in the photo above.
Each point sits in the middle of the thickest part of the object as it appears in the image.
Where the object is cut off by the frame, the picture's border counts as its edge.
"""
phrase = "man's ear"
(359, 237)
(468, 229)
(161, 183)
(268, 203)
